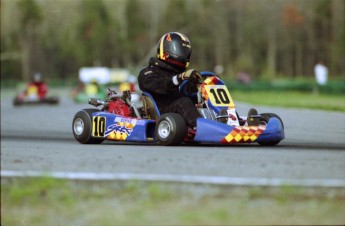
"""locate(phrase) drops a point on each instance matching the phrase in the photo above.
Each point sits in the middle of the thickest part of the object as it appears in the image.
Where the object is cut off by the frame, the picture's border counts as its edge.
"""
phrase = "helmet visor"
(179, 50)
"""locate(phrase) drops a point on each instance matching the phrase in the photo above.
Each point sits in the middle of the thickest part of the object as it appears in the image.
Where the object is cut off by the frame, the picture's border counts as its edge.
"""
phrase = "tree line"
(267, 39)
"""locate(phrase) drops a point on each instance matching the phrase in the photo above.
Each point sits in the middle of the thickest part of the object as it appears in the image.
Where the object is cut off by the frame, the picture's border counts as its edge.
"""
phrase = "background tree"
(93, 29)
(30, 19)
(268, 39)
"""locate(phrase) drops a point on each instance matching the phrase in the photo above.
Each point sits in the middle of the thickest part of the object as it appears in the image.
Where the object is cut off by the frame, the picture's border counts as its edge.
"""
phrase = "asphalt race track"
(38, 140)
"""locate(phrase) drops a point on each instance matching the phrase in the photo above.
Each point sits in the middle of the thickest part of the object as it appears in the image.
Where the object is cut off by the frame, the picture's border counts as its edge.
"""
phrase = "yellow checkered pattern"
(208, 81)
(117, 135)
(244, 134)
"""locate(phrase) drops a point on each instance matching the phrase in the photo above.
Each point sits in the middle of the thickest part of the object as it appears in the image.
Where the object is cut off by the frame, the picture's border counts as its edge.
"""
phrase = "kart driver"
(37, 88)
(166, 72)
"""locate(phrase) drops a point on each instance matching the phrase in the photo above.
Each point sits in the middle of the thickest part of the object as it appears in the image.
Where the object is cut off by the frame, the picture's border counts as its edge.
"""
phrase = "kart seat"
(150, 106)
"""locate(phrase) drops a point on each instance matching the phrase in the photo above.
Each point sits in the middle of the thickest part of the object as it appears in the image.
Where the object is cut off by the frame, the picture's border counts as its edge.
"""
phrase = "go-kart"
(120, 120)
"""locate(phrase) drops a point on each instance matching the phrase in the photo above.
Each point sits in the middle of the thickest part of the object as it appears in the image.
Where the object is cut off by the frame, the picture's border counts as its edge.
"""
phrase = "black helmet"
(175, 49)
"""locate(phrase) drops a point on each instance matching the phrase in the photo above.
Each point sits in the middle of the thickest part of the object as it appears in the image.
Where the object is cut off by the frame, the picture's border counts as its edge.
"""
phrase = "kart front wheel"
(265, 117)
(171, 129)
(82, 127)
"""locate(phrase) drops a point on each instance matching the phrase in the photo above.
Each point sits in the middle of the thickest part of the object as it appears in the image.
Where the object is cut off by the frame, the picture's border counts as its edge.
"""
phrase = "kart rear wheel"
(52, 100)
(265, 117)
(171, 129)
(82, 127)
(17, 102)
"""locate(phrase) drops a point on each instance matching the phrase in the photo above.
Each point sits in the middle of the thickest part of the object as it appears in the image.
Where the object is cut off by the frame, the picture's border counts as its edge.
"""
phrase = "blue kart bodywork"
(117, 127)
(215, 132)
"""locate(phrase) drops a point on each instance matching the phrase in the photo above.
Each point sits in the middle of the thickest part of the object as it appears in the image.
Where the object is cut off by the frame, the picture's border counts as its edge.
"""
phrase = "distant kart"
(120, 120)
(20, 100)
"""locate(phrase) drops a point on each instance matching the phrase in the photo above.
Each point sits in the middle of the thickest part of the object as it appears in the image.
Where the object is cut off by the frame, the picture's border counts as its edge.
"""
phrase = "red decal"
(168, 38)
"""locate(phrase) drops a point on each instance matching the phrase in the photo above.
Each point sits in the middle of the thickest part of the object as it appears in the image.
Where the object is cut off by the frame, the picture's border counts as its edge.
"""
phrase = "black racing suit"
(156, 79)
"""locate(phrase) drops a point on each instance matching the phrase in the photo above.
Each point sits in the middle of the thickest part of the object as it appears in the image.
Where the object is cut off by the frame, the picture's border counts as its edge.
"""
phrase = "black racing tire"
(52, 100)
(171, 129)
(82, 127)
(17, 102)
(265, 117)
(269, 143)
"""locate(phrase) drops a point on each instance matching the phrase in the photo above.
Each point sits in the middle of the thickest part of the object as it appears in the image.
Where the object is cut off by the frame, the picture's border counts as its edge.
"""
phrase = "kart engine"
(117, 106)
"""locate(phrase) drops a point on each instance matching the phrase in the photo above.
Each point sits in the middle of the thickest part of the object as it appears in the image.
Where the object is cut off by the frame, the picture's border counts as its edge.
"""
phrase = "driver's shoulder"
(152, 71)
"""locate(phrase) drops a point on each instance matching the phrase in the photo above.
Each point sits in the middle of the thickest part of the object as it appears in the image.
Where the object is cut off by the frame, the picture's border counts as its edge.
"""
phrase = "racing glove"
(192, 75)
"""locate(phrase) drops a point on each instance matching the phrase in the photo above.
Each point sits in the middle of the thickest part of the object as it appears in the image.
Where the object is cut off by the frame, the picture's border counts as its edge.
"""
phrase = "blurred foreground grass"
(48, 201)
(292, 99)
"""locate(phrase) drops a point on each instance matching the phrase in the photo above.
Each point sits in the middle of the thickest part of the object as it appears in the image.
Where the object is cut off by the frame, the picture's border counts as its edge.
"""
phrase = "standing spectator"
(321, 73)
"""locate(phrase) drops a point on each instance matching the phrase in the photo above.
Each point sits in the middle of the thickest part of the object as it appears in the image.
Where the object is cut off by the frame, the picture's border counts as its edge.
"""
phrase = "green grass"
(291, 99)
(47, 201)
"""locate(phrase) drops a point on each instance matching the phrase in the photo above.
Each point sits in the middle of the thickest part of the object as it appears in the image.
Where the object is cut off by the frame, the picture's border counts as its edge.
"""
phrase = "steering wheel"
(183, 87)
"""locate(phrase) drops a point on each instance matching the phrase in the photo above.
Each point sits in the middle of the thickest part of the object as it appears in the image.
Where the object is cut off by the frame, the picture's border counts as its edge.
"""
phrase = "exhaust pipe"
(95, 102)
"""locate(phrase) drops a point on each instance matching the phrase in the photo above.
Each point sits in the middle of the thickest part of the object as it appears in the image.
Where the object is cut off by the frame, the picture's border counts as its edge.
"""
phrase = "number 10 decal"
(219, 95)
(98, 126)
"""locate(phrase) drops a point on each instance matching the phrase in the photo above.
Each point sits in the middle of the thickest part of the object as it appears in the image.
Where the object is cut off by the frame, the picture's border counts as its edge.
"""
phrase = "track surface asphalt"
(40, 139)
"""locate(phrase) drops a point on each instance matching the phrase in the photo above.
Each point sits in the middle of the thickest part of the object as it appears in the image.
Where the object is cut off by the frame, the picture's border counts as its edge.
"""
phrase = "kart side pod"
(215, 132)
